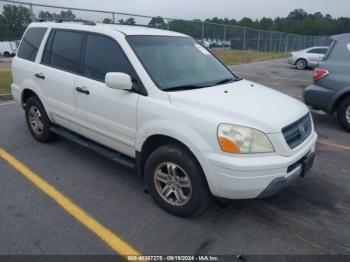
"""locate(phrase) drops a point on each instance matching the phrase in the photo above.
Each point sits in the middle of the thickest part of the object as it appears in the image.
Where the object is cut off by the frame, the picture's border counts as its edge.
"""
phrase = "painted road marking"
(110, 238)
(330, 144)
(8, 103)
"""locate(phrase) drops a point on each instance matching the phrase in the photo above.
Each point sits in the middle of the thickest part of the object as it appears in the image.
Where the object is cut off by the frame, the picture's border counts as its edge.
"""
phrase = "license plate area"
(306, 163)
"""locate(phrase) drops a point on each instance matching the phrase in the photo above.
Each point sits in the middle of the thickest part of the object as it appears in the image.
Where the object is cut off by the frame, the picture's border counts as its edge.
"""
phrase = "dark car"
(330, 91)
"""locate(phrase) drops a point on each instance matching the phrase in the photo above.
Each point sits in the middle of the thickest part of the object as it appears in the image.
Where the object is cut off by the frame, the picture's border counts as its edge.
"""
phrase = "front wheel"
(301, 64)
(176, 182)
(344, 113)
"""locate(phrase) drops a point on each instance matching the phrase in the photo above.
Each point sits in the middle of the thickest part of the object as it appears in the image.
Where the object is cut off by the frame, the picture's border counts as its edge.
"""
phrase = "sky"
(191, 9)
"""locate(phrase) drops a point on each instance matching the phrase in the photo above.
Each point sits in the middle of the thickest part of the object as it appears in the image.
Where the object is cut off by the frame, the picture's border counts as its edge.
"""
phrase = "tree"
(245, 21)
(157, 22)
(107, 21)
(65, 15)
(266, 23)
(297, 15)
(13, 22)
(129, 21)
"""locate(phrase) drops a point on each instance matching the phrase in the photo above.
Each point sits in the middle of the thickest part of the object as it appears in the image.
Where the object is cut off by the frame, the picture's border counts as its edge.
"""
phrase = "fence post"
(244, 32)
(225, 34)
(271, 42)
(259, 41)
(113, 17)
(203, 31)
(168, 24)
(31, 11)
(286, 49)
(279, 44)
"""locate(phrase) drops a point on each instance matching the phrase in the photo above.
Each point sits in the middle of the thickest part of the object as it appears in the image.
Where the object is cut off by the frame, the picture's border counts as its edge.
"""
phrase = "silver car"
(309, 57)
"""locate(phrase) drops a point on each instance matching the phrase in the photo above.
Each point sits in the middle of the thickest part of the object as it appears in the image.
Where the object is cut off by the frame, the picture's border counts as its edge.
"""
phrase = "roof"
(125, 29)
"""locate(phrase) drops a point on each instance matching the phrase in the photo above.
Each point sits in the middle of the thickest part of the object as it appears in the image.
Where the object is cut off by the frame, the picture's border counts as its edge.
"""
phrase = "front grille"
(297, 132)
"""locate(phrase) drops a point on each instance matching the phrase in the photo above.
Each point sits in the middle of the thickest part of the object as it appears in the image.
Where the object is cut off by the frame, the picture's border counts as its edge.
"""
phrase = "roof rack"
(61, 20)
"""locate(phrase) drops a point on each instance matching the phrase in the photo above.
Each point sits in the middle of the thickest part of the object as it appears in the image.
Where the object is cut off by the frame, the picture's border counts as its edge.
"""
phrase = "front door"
(106, 115)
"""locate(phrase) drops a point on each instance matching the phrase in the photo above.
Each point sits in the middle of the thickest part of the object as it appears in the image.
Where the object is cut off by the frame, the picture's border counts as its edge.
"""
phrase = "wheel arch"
(155, 141)
(26, 94)
(338, 99)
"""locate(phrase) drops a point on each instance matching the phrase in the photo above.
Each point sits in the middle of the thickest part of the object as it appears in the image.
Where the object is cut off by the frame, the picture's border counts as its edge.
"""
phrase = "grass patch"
(5, 81)
(236, 57)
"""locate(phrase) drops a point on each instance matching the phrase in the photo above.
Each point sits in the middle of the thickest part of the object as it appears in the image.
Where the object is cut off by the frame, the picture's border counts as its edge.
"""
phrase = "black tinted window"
(30, 43)
(65, 50)
(318, 51)
(103, 55)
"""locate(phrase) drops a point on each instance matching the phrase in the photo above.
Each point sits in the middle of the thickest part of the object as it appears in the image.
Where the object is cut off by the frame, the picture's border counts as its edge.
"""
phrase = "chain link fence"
(17, 15)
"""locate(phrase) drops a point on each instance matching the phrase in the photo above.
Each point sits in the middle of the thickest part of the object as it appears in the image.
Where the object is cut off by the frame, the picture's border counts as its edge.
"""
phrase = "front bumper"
(291, 61)
(242, 177)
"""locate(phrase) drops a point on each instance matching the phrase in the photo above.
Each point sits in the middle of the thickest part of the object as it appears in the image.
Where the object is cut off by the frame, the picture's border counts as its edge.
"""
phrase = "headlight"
(243, 140)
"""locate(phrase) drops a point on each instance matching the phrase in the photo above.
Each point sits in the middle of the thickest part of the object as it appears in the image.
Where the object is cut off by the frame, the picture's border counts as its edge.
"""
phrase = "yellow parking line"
(114, 241)
(326, 143)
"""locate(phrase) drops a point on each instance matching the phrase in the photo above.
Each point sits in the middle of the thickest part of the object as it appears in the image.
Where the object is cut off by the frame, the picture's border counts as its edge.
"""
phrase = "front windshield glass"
(179, 63)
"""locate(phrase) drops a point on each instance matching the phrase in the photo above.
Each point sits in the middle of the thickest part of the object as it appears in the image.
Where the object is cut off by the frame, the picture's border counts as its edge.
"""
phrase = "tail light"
(320, 73)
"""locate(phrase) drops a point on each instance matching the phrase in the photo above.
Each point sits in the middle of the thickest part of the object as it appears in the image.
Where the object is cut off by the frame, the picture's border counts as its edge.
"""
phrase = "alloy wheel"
(173, 184)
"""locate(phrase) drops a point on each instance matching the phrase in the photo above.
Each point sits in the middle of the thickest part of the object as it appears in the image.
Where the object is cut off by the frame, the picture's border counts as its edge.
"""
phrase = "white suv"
(159, 101)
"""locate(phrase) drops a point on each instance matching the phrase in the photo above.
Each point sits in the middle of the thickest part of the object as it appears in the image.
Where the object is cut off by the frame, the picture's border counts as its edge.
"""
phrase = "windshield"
(179, 63)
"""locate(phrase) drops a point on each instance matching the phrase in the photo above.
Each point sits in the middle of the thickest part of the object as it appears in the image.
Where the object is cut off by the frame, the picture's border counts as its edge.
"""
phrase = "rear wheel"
(344, 113)
(176, 182)
(37, 120)
(301, 64)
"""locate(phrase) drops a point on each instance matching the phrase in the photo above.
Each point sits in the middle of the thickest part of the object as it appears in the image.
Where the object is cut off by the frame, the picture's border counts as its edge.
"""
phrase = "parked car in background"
(309, 57)
(331, 89)
(8, 48)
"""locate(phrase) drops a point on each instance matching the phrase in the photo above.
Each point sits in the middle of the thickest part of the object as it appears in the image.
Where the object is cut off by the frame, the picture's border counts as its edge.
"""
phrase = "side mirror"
(119, 81)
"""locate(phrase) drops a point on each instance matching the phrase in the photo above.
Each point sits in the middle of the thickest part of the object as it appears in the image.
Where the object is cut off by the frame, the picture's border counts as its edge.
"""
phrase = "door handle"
(83, 90)
(40, 75)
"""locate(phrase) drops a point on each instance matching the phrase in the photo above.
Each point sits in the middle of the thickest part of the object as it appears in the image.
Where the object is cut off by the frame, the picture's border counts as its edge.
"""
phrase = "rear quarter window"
(31, 43)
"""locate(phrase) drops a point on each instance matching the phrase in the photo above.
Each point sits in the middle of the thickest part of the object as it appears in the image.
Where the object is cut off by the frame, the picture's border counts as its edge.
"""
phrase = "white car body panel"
(124, 120)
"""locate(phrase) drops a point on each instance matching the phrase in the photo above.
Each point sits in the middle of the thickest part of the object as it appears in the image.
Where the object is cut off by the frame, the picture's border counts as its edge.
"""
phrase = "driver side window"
(103, 55)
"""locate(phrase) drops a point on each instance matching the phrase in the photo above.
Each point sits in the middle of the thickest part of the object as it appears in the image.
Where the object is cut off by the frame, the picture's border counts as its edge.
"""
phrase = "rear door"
(316, 54)
(57, 72)
(106, 115)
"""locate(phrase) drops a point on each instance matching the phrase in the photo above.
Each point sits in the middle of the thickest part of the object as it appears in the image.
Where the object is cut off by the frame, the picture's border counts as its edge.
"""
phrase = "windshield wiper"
(225, 81)
(184, 88)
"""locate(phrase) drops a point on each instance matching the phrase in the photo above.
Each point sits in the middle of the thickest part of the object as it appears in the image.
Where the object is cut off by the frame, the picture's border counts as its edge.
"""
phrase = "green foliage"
(65, 15)
(107, 21)
(235, 57)
(298, 21)
(13, 21)
(129, 21)
(5, 81)
(157, 22)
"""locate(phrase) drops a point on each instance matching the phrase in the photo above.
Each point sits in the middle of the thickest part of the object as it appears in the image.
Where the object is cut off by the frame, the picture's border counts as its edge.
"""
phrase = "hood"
(243, 103)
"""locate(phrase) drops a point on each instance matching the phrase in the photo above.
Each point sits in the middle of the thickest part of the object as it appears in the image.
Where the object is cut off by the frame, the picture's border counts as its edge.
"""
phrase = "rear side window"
(63, 50)
(103, 55)
(318, 51)
(31, 42)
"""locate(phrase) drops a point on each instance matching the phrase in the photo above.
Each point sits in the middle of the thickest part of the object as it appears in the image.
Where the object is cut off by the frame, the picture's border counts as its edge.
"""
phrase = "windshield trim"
(235, 77)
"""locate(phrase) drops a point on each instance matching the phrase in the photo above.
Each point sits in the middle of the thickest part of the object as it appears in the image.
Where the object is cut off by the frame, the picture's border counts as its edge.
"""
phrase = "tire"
(37, 120)
(7, 54)
(172, 165)
(301, 64)
(344, 113)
